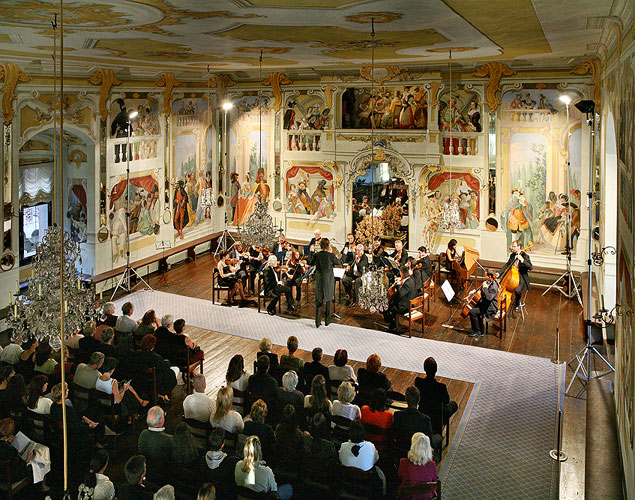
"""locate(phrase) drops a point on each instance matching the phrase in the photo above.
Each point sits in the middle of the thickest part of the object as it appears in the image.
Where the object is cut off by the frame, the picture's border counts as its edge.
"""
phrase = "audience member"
(44, 362)
(409, 421)
(11, 353)
(318, 401)
(288, 394)
(359, 453)
(370, 378)
(163, 333)
(251, 472)
(148, 325)
(135, 472)
(16, 397)
(217, 466)
(255, 426)
(89, 342)
(154, 442)
(105, 345)
(166, 375)
(435, 398)
(36, 401)
(315, 367)
(343, 405)
(87, 374)
(128, 399)
(69, 369)
(26, 360)
(196, 353)
(237, 378)
(261, 383)
(72, 342)
(288, 432)
(206, 492)
(223, 416)
(18, 466)
(6, 372)
(96, 485)
(184, 452)
(290, 361)
(265, 349)
(108, 316)
(198, 405)
(164, 493)
(418, 467)
(376, 414)
(316, 442)
(340, 370)
(125, 323)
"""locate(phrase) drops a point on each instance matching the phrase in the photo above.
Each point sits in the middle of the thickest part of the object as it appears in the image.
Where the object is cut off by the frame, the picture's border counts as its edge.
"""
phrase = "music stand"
(163, 264)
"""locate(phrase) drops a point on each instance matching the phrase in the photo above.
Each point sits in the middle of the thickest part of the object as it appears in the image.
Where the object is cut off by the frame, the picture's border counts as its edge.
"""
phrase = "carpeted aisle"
(502, 444)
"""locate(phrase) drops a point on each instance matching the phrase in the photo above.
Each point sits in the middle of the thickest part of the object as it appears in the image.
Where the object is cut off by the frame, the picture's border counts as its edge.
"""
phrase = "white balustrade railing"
(462, 144)
(528, 115)
(303, 140)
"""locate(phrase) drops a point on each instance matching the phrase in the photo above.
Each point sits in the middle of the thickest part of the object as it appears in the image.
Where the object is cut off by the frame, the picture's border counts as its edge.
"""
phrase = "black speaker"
(585, 106)
(596, 334)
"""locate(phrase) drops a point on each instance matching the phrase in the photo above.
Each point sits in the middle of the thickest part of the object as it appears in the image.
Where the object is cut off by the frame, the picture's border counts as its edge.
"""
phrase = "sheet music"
(448, 290)
(41, 460)
(338, 272)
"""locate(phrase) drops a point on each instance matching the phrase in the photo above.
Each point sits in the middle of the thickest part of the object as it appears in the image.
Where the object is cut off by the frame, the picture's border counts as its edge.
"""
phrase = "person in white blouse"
(223, 416)
(198, 405)
(96, 485)
(340, 370)
(36, 401)
(359, 453)
(342, 405)
(126, 395)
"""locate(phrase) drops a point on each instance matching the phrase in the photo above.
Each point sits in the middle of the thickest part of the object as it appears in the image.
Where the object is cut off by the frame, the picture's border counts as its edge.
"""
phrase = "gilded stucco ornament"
(11, 75)
(106, 78)
(381, 74)
(496, 71)
(275, 81)
(220, 83)
(593, 67)
(168, 81)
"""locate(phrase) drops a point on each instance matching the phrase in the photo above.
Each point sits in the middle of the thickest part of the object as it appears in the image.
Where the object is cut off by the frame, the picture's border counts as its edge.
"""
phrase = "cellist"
(486, 307)
(520, 259)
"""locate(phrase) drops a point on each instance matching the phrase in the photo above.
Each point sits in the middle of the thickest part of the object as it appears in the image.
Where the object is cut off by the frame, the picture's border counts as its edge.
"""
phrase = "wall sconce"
(598, 257)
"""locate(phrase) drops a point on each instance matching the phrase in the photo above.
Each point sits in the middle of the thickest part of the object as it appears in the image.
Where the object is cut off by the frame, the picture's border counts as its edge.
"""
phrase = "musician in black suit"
(415, 272)
(400, 256)
(354, 271)
(400, 304)
(348, 252)
(314, 244)
(426, 265)
(522, 260)
(275, 286)
(237, 254)
(324, 261)
(280, 248)
(378, 250)
(486, 307)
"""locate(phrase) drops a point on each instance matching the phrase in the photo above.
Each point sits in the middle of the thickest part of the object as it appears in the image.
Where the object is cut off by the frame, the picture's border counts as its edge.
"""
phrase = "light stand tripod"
(124, 281)
(586, 354)
(223, 240)
(569, 283)
(226, 235)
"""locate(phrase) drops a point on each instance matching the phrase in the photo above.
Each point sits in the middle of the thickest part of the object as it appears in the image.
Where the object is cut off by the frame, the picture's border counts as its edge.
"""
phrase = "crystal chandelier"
(373, 294)
(259, 230)
(37, 313)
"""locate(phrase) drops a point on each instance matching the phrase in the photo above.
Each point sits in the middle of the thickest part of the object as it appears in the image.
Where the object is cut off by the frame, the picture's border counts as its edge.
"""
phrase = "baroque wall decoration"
(275, 81)
(495, 71)
(593, 67)
(168, 81)
(11, 75)
(106, 78)
(221, 83)
(381, 74)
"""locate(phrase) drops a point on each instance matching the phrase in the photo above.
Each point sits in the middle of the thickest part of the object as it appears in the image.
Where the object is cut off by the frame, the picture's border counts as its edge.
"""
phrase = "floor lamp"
(124, 281)
(586, 354)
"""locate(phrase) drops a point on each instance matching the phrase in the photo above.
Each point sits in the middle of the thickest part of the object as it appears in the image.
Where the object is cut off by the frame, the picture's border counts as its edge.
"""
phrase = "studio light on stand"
(583, 371)
(124, 281)
(223, 240)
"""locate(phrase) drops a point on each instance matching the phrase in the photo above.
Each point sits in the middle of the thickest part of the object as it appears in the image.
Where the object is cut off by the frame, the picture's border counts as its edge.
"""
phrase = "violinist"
(229, 278)
(295, 273)
(354, 271)
(280, 248)
(522, 260)
(378, 250)
(275, 286)
(314, 244)
(348, 252)
(400, 256)
(415, 272)
(424, 263)
(237, 254)
(404, 293)
(486, 307)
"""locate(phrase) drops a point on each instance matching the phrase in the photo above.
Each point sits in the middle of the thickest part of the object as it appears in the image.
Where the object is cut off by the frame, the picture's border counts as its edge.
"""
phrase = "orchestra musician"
(348, 252)
(238, 254)
(275, 286)
(256, 262)
(378, 249)
(314, 244)
(400, 304)
(229, 278)
(524, 266)
(400, 256)
(487, 307)
(324, 261)
(295, 273)
(354, 271)
(280, 248)
(415, 272)
(424, 263)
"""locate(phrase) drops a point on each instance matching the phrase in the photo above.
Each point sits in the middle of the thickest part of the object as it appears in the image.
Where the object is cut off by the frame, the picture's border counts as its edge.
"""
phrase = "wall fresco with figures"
(310, 191)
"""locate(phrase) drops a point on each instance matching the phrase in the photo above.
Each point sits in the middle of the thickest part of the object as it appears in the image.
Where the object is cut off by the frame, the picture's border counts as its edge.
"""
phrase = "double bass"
(508, 282)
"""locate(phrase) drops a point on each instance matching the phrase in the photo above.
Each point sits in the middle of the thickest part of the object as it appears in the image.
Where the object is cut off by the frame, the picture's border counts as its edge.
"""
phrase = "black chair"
(40, 428)
(357, 483)
(160, 472)
(244, 492)
(410, 491)
(378, 436)
(147, 378)
(319, 478)
(397, 400)
(434, 410)
(217, 287)
(81, 397)
(200, 431)
(106, 403)
(8, 486)
(241, 405)
(288, 464)
(262, 296)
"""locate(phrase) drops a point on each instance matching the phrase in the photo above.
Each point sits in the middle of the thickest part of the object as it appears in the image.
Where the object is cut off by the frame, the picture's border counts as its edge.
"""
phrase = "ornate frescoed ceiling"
(148, 36)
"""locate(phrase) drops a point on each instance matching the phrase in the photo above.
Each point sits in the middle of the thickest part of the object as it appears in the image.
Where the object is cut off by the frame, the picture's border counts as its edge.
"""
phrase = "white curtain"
(36, 183)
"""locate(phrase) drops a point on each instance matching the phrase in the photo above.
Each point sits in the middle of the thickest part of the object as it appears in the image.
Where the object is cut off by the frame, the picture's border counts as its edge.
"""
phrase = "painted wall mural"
(305, 114)
(310, 191)
(394, 107)
(541, 193)
(77, 212)
(462, 188)
(249, 155)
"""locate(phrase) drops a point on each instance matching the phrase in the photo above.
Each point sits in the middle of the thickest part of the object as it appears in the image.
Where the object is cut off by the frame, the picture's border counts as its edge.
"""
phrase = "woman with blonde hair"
(224, 417)
(343, 405)
(251, 472)
(206, 492)
(418, 467)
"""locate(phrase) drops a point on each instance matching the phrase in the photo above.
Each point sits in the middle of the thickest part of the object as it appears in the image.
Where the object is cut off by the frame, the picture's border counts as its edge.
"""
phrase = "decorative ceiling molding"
(593, 67)
(275, 81)
(390, 72)
(11, 75)
(168, 81)
(107, 79)
(220, 83)
(496, 71)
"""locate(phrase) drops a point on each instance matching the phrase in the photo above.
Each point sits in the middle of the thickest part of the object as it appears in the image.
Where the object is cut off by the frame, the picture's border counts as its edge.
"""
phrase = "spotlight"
(585, 106)
(132, 115)
(565, 99)
(227, 106)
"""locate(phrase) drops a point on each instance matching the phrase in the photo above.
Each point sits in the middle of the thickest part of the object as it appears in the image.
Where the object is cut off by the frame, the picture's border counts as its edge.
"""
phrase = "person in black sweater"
(407, 422)
(370, 378)
(217, 466)
(261, 383)
(314, 368)
(424, 263)
(135, 472)
(435, 399)
(255, 426)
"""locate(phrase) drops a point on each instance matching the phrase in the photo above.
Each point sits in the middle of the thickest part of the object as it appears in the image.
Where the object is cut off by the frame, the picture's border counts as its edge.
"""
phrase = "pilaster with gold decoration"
(106, 78)
(593, 67)
(11, 75)
(221, 83)
(275, 81)
(496, 71)
(168, 81)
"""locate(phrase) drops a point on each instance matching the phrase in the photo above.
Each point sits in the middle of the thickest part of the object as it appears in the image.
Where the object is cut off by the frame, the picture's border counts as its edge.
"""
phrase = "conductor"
(324, 261)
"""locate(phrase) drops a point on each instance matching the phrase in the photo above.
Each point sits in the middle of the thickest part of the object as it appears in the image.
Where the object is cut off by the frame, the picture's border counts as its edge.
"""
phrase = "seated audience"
(196, 353)
(96, 485)
(343, 405)
(288, 394)
(217, 466)
(125, 323)
(87, 374)
(288, 431)
(19, 466)
(377, 414)
(165, 374)
(251, 472)
(135, 472)
(236, 377)
(163, 332)
(290, 361)
(184, 452)
(198, 405)
(16, 397)
(72, 342)
(318, 401)
(340, 370)
(69, 369)
(36, 401)
(105, 345)
(11, 353)
(154, 442)
(316, 443)
(44, 362)
(6, 372)
(409, 421)
(418, 467)
(164, 493)
(148, 324)
(265, 350)
(370, 378)
(108, 316)
(206, 492)
(128, 399)
(89, 343)
(315, 367)
(255, 426)
(223, 416)
(26, 360)
(359, 453)
(434, 397)
(261, 383)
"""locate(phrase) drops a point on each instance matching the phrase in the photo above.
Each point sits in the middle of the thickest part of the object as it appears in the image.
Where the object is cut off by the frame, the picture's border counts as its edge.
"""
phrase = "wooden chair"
(408, 492)
(200, 431)
(217, 287)
(106, 403)
(442, 270)
(340, 428)
(244, 492)
(416, 312)
(288, 464)
(261, 294)
(501, 317)
(241, 405)
(40, 428)
(7, 485)
(147, 377)
(319, 478)
(82, 397)
(357, 483)
(187, 366)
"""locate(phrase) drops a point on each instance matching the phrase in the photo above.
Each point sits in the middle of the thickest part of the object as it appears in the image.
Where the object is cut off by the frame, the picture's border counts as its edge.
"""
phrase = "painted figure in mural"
(190, 188)
(235, 192)
(154, 207)
(135, 212)
(289, 117)
(246, 201)
(293, 202)
(517, 102)
(421, 107)
(119, 128)
(304, 197)
(146, 226)
(318, 195)
(518, 219)
(528, 102)
(451, 118)
(324, 209)
(181, 216)
(201, 186)
(261, 188)
(118, 233)
(544, 103)
(77, 216)
(406, 115)
(206, 197)
(471, 220)
(348, 109)
(474, 116)
(554, 229)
